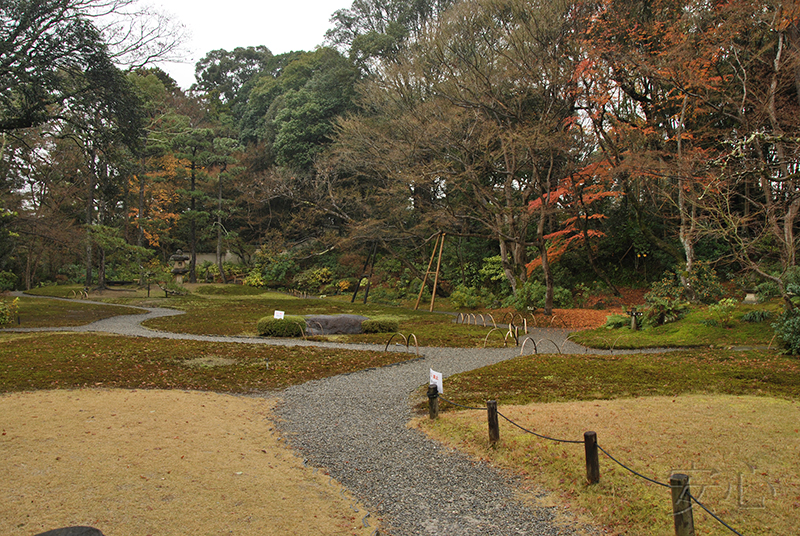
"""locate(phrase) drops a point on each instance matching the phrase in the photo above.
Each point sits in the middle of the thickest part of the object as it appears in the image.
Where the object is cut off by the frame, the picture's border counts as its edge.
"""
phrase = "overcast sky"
(281, 26)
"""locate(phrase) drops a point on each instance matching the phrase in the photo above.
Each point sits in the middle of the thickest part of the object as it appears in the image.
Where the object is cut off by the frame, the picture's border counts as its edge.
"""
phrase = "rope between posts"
(459, 405)
(709, 512)
(631, 470)
(539, 435)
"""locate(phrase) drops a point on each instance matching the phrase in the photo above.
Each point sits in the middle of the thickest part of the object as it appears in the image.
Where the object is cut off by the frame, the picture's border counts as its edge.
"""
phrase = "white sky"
(281, 26)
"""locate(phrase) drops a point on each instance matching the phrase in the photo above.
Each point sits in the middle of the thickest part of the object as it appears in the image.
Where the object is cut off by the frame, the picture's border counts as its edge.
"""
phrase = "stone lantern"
(179, 268)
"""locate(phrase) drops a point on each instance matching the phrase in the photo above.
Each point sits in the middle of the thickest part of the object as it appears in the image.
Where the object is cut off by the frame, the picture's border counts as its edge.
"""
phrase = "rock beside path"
(334, 324)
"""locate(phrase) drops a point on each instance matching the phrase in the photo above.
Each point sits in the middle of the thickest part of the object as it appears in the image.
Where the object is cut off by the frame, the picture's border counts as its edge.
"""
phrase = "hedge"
(380, 326)
(288, 326)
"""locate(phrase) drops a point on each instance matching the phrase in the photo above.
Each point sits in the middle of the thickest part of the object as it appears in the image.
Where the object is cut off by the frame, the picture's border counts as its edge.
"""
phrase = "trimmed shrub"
(380, 326)
(288, 326)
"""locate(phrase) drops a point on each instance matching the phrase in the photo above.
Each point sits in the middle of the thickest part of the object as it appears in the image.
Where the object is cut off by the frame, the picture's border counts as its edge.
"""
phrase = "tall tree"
(52, 54)
(477, 122)
(374, 31)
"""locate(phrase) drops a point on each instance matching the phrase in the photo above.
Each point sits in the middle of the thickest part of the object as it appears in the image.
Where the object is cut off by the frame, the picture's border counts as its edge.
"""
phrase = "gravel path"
(354, 426)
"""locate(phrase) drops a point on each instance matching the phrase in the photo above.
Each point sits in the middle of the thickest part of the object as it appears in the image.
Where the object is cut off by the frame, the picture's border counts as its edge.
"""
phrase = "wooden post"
(438, 268)
(440, 245)
(494, 423)
(433, 401)
(592, 461)
(682, 505)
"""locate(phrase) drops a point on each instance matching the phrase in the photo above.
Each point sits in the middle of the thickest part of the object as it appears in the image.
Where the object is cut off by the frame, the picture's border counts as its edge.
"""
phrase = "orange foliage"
(161, 198)
(576, 194)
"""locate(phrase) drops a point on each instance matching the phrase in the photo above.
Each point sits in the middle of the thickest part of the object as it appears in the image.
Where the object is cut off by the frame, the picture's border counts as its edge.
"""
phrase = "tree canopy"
(555, 143)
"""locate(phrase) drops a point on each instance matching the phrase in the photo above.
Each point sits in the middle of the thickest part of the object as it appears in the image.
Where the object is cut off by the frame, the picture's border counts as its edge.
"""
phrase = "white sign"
(436, 379)
(279, 315)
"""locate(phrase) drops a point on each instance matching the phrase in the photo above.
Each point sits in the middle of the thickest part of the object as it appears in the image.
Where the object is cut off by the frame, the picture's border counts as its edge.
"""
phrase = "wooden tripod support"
(439, 242)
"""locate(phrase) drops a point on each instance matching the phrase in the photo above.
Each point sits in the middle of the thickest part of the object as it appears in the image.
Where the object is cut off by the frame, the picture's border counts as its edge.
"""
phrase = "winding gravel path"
(354, 426)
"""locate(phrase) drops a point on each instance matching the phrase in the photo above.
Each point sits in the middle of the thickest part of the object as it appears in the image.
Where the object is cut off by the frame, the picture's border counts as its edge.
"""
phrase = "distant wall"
(212, 258)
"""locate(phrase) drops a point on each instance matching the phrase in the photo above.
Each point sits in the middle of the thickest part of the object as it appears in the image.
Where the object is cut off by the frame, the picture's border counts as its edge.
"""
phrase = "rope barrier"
(631, 470)
(709, 512)
(459, 405)
(539, 435)
(656, 482)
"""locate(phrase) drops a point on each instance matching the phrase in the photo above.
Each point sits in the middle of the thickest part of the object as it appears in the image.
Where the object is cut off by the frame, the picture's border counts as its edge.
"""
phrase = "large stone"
(334, 324)
(72, 531)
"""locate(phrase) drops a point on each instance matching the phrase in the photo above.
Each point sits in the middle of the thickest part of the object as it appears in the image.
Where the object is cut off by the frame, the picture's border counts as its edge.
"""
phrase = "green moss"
(32, 361)
(561, 378)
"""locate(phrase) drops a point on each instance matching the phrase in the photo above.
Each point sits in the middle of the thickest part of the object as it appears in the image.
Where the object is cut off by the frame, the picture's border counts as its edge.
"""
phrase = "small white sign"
(279, 315)
(436, 379)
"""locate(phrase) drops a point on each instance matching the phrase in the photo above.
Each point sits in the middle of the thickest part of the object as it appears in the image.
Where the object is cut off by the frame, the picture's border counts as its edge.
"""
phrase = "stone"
(334, 324)
(750, 297)
(72, 531)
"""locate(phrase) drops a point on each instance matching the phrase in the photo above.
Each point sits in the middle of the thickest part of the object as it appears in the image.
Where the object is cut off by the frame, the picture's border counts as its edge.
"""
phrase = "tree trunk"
(219, 228)
(548, 280)
(140, 220)
(687, 224)
(193, 227)
(506, 263)
(89, 214)
(101, 219)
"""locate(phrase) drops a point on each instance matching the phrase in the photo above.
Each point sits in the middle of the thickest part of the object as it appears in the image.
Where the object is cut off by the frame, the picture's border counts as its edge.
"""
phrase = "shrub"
(254, 279)
(379, 325)
(617, 321)
(384, 295)
(663, 310)
(174, 288)
(313, 279)
(465, 298)
(7, 281)
(702, 279)
(8, 311)
(759, 315)
(532, 294)
(288, 326)
(766, 290)
(723, 310)
(705, 283)
(277, 268)
(787, 328)
(580, 294)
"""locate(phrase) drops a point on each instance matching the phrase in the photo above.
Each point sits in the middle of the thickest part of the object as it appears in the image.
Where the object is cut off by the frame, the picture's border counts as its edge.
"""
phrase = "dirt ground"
(592, 315)
(160, 463)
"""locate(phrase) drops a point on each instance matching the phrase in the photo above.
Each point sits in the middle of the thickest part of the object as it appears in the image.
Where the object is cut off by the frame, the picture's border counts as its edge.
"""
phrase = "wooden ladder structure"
(440, 243)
